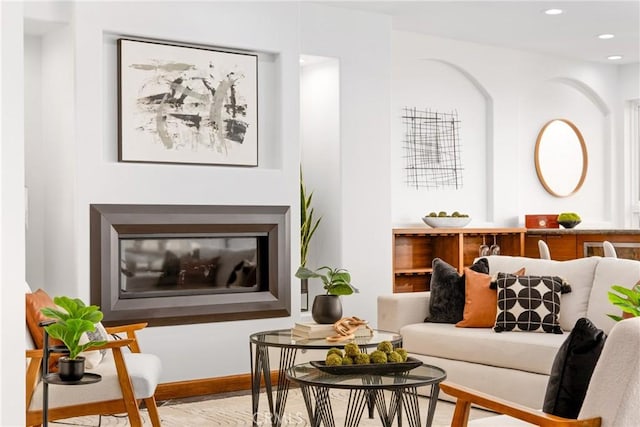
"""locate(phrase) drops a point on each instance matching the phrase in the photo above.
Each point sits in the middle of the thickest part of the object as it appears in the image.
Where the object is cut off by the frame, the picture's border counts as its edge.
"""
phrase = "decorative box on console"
(541, 221)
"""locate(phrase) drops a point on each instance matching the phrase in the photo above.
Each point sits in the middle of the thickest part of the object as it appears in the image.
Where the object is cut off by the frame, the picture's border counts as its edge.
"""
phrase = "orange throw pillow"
(480, 301)
(35, 301)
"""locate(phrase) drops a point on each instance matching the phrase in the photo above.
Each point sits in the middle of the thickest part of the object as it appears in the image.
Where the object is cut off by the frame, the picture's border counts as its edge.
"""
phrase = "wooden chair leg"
(461, 414)
(152, 408)
(126, 387)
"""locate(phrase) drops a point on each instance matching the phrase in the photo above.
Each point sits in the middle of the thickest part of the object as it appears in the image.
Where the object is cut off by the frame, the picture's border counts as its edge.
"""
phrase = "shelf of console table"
(415, 248)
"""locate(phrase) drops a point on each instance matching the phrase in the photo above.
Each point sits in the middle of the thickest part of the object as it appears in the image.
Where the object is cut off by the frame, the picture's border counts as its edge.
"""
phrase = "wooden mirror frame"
(585, 159)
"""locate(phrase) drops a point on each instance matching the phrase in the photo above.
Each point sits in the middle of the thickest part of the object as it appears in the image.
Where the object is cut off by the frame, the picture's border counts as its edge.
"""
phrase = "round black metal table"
(289, 344)
(403, 387)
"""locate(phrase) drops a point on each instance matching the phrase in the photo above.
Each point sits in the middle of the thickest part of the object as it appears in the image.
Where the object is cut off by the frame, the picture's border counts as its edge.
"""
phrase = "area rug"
(236, 411)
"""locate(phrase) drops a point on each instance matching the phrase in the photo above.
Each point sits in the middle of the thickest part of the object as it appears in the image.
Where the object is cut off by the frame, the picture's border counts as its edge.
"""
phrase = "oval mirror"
(561, 158)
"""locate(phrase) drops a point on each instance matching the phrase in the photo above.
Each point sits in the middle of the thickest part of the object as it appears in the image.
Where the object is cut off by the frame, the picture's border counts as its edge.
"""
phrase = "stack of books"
(313, 330)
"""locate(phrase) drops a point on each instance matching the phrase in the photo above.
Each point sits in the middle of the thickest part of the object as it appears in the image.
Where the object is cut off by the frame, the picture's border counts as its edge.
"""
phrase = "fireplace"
(180, 264)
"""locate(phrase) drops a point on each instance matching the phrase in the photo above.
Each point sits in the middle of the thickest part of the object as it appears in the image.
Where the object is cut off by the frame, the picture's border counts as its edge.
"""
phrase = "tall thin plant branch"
(308, 225)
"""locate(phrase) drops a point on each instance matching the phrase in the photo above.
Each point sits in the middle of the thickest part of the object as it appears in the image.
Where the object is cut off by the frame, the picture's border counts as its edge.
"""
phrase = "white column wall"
(35, 162)
(12, 261)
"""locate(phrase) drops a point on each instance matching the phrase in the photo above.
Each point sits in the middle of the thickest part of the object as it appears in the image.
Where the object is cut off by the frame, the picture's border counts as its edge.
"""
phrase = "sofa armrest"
(397, 310)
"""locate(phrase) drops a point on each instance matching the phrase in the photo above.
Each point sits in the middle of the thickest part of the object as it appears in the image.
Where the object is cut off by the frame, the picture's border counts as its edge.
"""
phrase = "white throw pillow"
(94, 357)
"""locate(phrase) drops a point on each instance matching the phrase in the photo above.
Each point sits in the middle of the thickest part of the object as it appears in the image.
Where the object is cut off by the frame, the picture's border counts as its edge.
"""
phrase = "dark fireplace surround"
(111, 223)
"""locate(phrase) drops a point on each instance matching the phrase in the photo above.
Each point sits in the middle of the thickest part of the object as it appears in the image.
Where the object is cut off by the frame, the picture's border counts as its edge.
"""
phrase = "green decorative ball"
(385, 346)
(335, 350)
(402, 352)
(378, 357)
(333, 360)
(362, 359)
(395, 357)
(351, 349)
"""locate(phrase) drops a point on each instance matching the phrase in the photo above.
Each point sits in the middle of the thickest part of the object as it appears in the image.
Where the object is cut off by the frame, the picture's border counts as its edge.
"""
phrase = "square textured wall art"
(181, 104)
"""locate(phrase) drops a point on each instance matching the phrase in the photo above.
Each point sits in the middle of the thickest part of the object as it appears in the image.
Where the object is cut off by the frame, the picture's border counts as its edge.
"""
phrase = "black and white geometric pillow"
(528, 303)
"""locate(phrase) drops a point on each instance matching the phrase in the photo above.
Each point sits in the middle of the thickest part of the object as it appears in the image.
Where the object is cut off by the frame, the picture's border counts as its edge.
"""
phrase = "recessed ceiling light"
(554, 11)
(614, 57)
(605, 36)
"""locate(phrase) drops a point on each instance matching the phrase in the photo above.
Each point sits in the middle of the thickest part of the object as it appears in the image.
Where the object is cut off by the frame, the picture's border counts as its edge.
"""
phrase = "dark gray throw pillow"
(572, 369)
(446, 303)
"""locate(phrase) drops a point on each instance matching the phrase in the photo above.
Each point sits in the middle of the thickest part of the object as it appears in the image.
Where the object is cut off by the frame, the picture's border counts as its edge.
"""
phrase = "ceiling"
(522, 25)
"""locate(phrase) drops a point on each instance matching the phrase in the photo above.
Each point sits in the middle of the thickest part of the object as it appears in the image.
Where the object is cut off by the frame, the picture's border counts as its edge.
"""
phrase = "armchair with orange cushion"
(128, 376)
(611, 397)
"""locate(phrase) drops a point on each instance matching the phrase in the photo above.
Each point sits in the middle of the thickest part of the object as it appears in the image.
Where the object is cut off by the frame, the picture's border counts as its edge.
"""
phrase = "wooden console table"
(579, 243)
(415, 248)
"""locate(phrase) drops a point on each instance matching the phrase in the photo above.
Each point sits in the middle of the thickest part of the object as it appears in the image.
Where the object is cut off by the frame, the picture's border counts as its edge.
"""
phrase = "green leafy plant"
(308, 225)
(336, 281)
(73, 320)
(628, 300)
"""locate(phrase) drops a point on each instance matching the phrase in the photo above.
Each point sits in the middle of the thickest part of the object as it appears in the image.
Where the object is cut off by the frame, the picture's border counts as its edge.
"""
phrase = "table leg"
(322, 412)
(393, 404)
(287, 358)
(411, 406)
(309, 405)
(433, 400)
(355, 407)
(261, 369)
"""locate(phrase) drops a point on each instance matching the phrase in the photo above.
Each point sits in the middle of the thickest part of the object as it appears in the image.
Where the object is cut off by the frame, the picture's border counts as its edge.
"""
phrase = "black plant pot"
(71, 369)
(326, 309)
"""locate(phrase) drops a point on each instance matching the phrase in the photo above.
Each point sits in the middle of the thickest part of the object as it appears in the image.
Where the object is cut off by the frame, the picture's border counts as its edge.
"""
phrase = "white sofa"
(510, 365)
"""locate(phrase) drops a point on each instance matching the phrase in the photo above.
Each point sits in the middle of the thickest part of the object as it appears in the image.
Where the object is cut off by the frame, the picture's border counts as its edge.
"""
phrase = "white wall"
(361, 43)
(100, 179)
(521, 91)
(79, 142)
(35, 161)
(12, 263)
(94, 176)
(629, 158)
(320, 159)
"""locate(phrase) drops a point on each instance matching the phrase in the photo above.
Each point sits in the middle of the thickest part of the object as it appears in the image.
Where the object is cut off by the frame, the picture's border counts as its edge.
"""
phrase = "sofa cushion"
(446, 303)
(527, 352)
(528, 303)
(480, 301)
(579, 273)
(572, 369)
(610, 271)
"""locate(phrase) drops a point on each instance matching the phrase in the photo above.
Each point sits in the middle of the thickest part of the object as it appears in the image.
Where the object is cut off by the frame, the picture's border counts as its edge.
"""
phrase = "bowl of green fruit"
(444, 220)
(569, 219)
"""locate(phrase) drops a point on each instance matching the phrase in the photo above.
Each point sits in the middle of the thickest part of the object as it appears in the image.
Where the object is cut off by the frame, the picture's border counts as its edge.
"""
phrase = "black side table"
(48, 378)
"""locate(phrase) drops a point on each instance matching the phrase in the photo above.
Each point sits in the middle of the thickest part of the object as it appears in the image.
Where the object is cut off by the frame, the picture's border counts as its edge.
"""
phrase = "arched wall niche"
(573, 100)
(442, 86)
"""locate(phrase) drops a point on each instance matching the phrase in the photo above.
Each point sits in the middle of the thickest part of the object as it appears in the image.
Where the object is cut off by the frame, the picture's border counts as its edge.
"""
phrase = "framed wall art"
(180, 104)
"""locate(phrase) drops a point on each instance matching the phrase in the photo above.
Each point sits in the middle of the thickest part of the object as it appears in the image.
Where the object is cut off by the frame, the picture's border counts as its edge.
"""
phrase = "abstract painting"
(432, 149)
(181, 104)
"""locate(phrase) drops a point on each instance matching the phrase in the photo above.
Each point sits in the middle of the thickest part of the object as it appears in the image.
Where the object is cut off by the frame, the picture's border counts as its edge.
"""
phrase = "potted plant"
(308, 226)
(74, 319)
(628, 300)
(327, 308)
